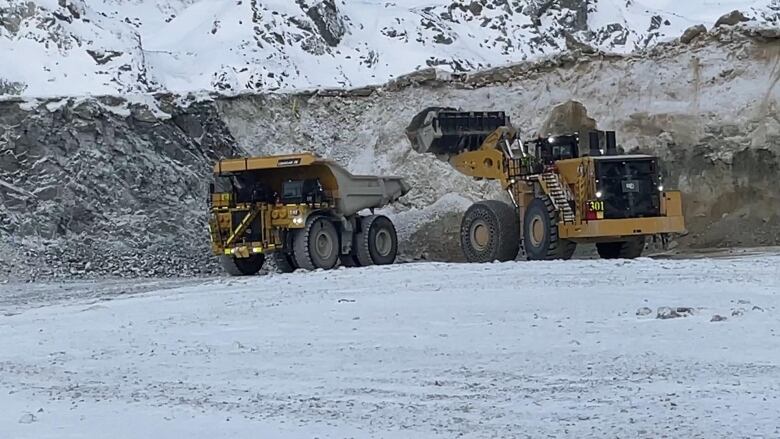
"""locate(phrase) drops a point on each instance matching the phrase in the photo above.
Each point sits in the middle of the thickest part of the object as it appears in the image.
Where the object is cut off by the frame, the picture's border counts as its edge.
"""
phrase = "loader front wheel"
(242, 266)
(540, 233)
(629, 249)
(489, 232)
(317, 245)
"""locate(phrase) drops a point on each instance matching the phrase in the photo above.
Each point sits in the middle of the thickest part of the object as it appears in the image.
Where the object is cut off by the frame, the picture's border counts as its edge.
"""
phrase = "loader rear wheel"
(540, 233)
(242, 266)
(284, 262)
(377, 242)
(489, 231)
(317, 245)
(629, 249)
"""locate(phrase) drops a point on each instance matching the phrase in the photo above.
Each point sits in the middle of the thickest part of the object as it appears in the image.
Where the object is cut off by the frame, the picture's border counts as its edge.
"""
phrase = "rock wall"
(109, 186)
(106, 187)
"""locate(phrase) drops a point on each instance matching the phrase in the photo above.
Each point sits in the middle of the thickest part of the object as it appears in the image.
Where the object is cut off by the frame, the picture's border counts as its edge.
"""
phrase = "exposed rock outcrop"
(109, 186)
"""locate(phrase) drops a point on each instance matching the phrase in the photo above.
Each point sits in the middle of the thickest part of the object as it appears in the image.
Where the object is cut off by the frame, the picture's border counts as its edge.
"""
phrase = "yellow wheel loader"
(565, 189)
(303, 211)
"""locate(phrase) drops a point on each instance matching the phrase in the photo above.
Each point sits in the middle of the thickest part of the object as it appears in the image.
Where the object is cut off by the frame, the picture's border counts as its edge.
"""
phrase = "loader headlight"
(297, 220)
(598, 194)
(550, 139)
(660, 188)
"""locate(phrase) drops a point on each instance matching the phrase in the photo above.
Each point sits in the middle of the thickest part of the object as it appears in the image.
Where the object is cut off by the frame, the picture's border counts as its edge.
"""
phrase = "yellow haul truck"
(565, 189)
(302, 210)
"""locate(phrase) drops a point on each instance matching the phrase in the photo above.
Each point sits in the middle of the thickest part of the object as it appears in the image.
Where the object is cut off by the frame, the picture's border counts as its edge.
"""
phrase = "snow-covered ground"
(413, 350)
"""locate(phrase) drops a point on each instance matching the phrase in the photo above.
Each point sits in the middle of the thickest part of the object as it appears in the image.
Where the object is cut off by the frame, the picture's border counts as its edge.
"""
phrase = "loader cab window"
(555, 148)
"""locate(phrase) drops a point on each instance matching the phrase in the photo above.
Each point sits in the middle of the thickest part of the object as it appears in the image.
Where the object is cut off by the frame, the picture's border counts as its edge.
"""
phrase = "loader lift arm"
(477, 144)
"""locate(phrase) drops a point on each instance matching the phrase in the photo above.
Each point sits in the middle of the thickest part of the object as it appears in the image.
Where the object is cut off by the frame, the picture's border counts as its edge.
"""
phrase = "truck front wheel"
(242, 266)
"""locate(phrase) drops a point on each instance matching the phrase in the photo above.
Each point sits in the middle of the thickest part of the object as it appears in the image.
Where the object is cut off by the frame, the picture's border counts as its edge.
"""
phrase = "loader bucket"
(446, 131)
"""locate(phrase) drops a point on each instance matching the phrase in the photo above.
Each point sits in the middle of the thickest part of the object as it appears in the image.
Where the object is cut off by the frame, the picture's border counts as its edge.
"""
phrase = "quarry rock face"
(117, 186)
(110, 192)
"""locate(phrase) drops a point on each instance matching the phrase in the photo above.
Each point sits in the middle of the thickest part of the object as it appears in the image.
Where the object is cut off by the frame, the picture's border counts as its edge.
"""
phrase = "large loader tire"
(317, 245)
(540, 233)
(489, 231)
(376, 243)
(242, 266)
(285, 262)
(629, 249)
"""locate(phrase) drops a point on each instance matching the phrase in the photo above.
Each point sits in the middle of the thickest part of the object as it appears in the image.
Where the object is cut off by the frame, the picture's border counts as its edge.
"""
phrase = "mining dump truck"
(303, 211)
(565, 189)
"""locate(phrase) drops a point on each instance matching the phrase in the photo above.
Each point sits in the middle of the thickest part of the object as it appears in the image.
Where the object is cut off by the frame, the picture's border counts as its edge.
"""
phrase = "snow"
(410, 350)
(127, 46)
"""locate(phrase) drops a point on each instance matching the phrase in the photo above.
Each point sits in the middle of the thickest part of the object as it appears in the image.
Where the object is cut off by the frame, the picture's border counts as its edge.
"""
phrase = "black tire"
(317, 245)
(242, 266)
(285, 262)
(349, 260)
(629, 249)
(376, 243)
(540, 233)
(490, 231)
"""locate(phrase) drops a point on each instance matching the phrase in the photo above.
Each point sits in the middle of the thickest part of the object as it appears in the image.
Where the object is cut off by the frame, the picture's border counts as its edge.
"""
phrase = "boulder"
(692, 32)
(732, 18)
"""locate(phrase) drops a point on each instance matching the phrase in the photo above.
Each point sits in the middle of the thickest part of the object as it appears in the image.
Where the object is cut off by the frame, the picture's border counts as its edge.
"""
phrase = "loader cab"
(571, 146)
(554, 148)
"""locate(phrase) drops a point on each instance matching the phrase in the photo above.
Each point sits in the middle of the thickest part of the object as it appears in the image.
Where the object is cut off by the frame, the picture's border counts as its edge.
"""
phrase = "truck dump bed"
(352, 193)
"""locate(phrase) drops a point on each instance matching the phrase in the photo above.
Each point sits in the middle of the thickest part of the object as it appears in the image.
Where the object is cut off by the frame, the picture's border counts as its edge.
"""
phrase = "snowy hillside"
(76, 47)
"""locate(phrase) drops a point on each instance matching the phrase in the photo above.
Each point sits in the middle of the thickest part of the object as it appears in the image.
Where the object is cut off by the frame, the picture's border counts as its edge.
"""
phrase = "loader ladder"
(558, 195)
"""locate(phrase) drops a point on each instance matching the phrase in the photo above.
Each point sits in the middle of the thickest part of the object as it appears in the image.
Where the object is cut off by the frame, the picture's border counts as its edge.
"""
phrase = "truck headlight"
(660, 188)
(598, 194)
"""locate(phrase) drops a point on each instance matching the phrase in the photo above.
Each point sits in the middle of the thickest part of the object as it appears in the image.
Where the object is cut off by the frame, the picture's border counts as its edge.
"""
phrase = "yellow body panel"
(671, 203)
(671, 221)
(611, 228)
(481, 164)
(269, 162)
(272, 219)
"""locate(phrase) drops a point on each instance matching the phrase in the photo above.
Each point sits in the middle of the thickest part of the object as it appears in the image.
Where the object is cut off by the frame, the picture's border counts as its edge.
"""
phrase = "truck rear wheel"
(629, 249)
(242, 266)
(349, 260)
(377, 241)
(540, 233)
(489, 231)
(317, 245)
